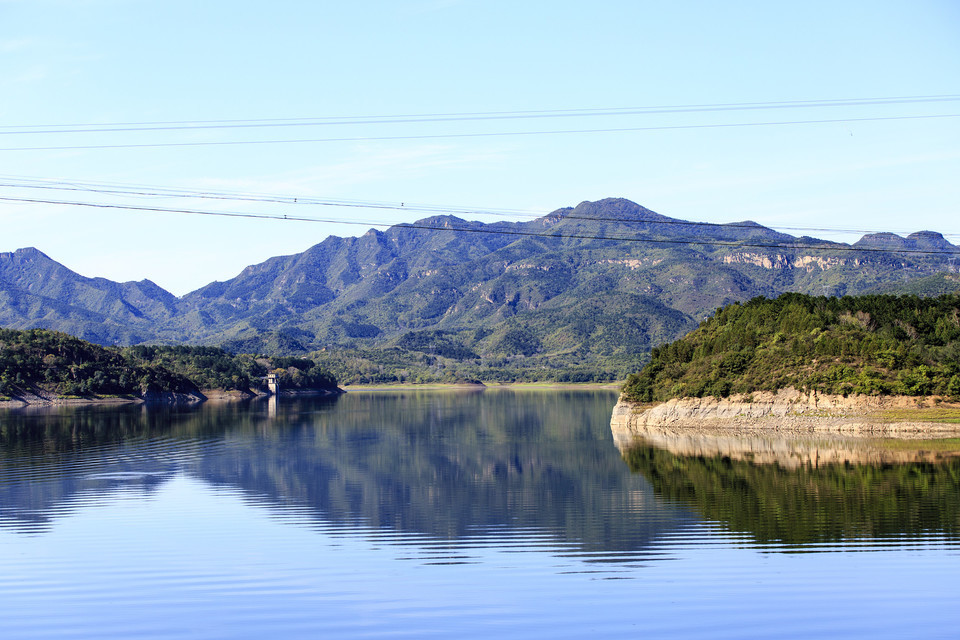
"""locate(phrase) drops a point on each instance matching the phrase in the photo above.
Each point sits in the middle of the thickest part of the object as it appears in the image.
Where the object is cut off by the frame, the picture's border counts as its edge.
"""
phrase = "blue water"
(441, 514)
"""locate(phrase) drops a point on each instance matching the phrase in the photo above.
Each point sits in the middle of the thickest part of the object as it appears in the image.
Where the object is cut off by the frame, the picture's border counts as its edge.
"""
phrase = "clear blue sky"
(133, 61)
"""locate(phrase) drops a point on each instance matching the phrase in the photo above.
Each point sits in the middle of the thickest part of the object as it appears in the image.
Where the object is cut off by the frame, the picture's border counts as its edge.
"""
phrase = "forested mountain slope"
(593, 286)
(37, 292)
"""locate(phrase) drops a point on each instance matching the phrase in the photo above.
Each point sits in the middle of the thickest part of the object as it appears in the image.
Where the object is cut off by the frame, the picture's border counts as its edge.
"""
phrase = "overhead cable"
(827, 246)
(489, 134)
(161, 192)
(459, 117)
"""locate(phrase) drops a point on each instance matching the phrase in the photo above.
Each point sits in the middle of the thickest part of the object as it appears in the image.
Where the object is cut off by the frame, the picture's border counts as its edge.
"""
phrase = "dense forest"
(41, 362)
(877, 344)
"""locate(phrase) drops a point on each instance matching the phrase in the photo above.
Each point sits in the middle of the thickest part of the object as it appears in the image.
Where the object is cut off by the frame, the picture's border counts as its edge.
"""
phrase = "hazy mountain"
(604, 279)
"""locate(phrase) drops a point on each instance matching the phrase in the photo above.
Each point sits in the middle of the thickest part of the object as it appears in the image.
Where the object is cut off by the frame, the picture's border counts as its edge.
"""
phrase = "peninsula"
(48, 367)
(885, 365)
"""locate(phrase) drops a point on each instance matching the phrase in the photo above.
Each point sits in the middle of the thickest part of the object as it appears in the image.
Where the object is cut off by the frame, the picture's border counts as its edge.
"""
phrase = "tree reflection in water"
(451, 466)
(801, 491)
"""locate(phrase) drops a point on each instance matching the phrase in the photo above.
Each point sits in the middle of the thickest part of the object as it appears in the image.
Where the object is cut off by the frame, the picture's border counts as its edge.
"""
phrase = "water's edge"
(789, 410)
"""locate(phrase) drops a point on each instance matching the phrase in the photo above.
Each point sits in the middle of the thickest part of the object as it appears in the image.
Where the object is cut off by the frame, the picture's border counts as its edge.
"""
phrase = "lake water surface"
(449, 514)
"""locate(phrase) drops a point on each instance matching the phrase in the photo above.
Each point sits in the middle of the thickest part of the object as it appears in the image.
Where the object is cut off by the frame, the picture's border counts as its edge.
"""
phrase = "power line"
(492, 134)
(460, 117)
(426, 208)
(114, 189)
(497, 231)
(161, 192)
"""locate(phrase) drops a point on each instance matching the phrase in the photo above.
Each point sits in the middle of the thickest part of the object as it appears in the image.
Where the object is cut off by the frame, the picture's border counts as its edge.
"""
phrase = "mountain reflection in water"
(501, 514)
(803, 490)
(444, 465)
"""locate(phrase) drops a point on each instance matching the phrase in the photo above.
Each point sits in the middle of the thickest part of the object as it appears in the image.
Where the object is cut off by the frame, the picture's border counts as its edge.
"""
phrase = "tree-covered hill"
(878, 344)
(45, 363)
(40, 362)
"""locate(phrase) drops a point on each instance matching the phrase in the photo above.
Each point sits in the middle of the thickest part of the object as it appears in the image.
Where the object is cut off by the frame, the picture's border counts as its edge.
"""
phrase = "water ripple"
(440, 516)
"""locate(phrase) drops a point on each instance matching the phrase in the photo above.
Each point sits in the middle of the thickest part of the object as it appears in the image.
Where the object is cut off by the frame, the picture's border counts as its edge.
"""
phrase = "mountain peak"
(445, 221)
(930, 240)
(884, 240)
(615, 208)
(919, 240)
(26, 253)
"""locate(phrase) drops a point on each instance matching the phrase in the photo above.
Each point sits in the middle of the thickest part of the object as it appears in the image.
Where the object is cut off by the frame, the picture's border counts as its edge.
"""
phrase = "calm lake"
(454, 514)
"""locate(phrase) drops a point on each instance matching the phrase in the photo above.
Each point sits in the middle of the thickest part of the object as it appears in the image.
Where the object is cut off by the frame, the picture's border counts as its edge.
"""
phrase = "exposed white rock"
(785, 410)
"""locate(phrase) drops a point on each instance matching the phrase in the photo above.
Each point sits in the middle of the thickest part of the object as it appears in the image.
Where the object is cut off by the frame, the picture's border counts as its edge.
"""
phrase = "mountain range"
(593, 285)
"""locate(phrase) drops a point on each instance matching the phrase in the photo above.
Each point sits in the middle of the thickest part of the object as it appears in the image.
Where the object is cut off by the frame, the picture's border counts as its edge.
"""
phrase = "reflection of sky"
(191, 560)
(222, 523)
(441, 466)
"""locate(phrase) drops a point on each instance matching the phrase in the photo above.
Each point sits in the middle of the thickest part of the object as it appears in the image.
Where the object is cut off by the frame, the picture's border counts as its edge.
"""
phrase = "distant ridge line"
(404, 225)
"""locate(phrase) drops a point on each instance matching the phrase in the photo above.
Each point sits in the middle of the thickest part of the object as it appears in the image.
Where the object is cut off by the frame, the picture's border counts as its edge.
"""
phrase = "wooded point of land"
(873, 345)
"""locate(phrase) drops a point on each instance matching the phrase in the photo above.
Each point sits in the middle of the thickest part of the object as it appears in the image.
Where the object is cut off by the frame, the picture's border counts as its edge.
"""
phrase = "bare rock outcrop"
(785, 410)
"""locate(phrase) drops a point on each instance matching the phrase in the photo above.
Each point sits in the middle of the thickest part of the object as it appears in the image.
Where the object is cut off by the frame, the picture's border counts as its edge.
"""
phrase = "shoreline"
(154, 398)
(487, 386)
(165, 398)
(792, 411)
(235, 395)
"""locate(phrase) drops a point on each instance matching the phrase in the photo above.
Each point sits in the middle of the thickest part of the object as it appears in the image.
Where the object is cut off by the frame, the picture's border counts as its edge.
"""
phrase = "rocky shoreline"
(788, 410)
(150, 398)
(155, 398)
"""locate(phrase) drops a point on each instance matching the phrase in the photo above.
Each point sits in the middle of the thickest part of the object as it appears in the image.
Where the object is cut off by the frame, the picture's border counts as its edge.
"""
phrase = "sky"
(367, 105)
